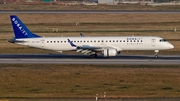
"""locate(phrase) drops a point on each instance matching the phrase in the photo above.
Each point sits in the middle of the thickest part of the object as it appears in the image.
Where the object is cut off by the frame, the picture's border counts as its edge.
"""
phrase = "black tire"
(93, 56)
(156, 56)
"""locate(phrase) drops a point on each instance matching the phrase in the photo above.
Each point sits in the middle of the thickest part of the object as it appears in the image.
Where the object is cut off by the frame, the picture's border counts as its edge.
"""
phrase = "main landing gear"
(93, 55)
(156, 53)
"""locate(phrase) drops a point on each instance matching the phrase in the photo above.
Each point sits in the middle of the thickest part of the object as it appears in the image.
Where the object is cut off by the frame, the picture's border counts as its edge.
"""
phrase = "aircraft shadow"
(81, 56)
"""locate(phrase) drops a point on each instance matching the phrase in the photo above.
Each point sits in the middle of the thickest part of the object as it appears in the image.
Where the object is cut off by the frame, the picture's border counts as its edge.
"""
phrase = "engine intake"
(109, 52)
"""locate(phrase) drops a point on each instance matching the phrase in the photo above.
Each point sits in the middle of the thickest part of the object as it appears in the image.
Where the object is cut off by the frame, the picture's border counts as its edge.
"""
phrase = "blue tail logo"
(20, 30)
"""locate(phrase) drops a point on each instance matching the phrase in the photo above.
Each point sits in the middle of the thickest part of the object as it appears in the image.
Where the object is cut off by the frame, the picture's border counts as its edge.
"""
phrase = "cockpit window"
(162, 40)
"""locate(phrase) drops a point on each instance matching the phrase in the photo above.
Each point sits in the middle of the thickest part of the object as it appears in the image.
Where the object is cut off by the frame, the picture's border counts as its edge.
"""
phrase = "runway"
(84, 59)
(89, 11)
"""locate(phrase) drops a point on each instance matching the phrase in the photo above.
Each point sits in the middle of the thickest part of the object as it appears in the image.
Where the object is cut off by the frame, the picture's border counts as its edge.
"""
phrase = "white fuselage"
(118, 43)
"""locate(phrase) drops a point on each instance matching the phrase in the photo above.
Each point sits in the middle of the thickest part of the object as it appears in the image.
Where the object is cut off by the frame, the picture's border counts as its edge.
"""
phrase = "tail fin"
(20, 30)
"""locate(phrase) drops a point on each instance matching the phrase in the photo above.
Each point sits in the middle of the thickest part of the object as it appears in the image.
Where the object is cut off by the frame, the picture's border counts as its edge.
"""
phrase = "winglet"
(71, 43)
(81, 35)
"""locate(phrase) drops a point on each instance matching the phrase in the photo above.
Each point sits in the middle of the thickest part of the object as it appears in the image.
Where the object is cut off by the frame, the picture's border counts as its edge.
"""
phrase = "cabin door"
(153, 42)
(42, 42)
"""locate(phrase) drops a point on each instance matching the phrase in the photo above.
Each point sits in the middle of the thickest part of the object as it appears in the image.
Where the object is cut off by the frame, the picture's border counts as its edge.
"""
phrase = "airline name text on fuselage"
(134, 39)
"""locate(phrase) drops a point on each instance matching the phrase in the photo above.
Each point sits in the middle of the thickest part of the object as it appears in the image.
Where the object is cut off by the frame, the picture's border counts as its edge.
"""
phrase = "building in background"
(47, 0)
(107, 2)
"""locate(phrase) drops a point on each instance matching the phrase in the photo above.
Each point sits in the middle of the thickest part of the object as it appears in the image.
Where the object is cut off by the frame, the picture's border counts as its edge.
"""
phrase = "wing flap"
(84, 48)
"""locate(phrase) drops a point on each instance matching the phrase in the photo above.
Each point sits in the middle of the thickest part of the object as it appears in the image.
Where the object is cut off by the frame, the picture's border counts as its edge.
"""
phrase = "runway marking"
(88, 61)
(84, 59)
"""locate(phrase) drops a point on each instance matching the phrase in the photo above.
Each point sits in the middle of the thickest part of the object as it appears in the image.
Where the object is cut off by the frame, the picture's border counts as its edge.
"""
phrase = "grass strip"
(84, 81)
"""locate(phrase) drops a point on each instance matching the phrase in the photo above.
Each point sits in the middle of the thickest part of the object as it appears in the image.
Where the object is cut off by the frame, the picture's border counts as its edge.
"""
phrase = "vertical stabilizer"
(20, 30)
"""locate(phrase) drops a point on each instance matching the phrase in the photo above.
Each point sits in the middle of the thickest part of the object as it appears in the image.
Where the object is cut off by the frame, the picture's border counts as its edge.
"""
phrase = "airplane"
(107, 46)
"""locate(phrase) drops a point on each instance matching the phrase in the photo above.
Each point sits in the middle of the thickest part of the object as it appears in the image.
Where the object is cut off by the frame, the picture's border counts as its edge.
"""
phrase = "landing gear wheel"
(156, 56)
(93, 55)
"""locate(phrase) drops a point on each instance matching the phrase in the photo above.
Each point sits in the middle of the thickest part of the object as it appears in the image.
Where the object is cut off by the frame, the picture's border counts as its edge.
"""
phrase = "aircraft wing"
(85, 48)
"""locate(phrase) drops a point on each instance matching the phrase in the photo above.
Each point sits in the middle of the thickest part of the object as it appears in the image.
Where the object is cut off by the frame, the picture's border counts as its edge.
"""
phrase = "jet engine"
(109, 52)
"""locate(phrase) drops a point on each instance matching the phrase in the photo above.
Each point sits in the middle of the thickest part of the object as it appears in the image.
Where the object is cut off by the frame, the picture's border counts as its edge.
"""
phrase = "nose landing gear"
(156, 53)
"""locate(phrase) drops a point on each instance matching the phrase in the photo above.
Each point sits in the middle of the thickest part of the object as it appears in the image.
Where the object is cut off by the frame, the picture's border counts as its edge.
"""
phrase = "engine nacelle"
(109, 52)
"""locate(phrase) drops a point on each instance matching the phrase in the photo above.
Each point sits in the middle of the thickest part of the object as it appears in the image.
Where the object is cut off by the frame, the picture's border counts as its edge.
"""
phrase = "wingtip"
(81, 35)
(70, 42)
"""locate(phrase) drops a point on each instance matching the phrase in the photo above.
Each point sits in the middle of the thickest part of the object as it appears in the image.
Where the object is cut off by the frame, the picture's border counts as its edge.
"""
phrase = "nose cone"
(171, 46)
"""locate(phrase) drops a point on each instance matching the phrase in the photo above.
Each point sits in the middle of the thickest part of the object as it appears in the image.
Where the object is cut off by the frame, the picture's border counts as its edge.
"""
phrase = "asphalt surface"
(84, 59)
(88, 11)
